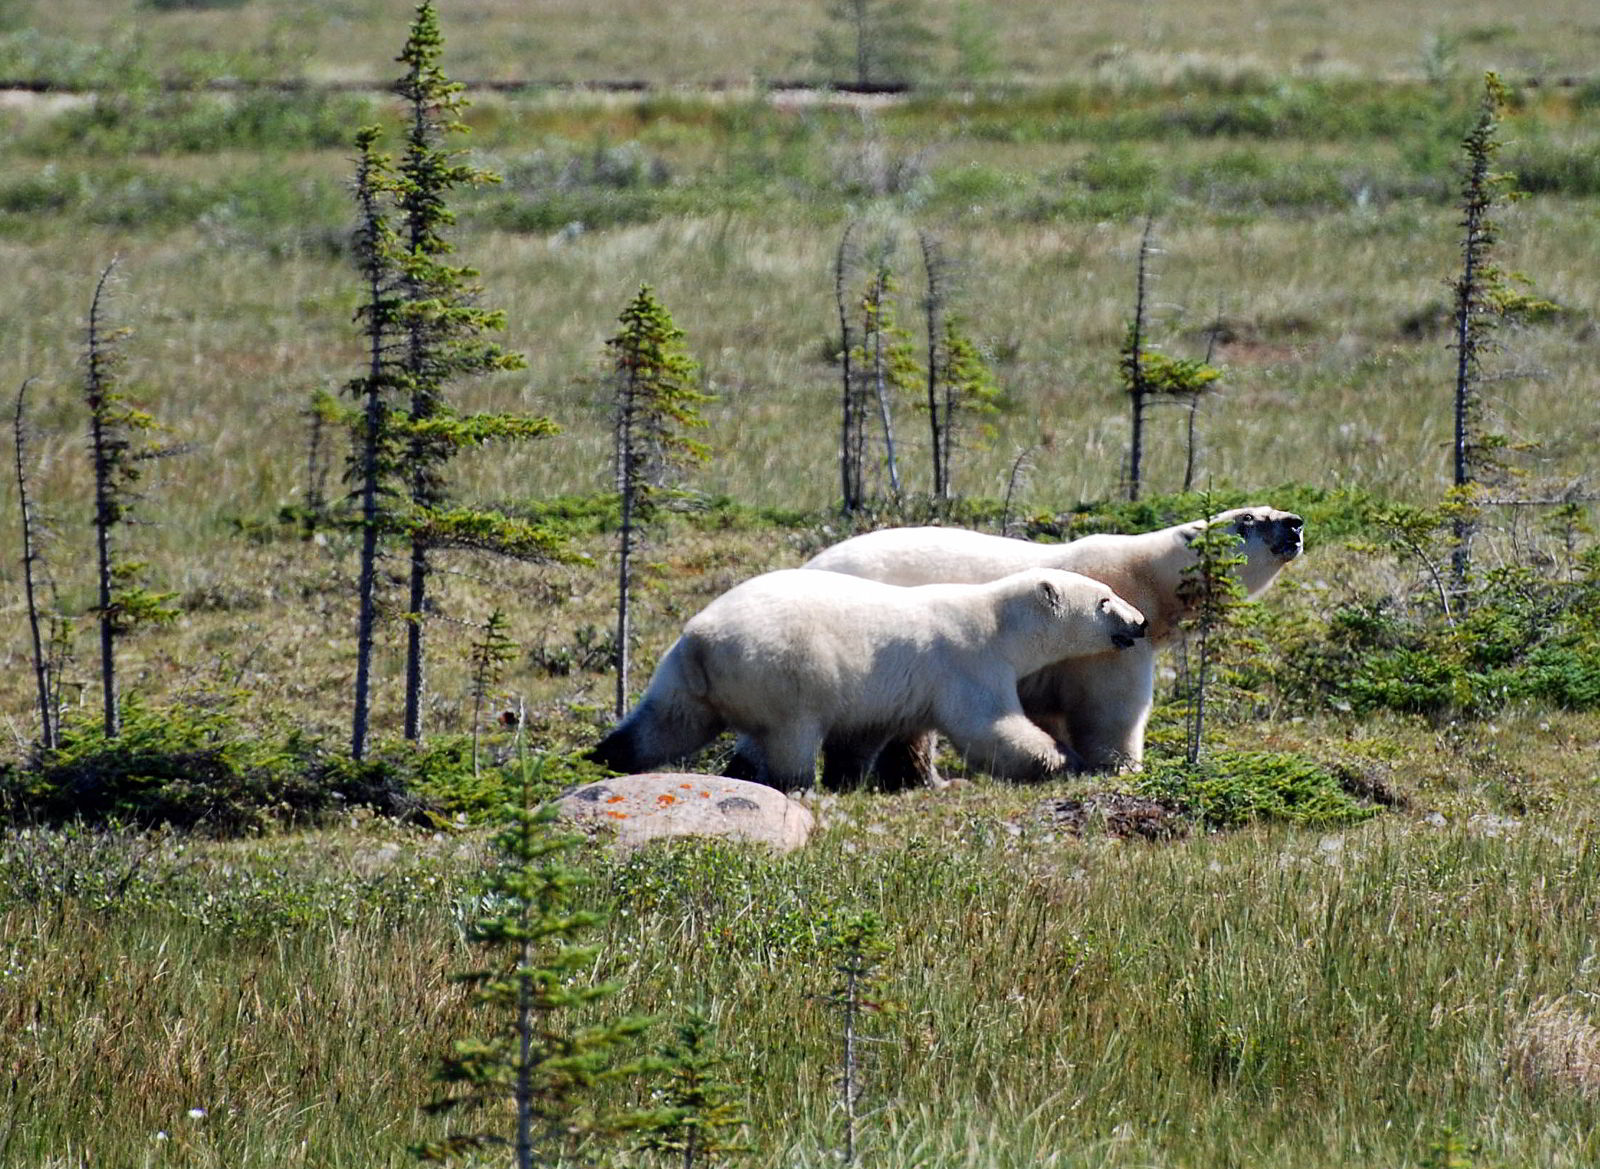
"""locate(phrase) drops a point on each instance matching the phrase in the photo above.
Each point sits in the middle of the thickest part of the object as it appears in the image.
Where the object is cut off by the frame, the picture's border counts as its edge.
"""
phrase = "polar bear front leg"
(789, 754)
(1101, 702)
(1007, 744)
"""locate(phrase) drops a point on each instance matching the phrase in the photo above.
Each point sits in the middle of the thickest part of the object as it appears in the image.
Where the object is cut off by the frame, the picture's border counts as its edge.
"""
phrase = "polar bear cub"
(795, 660)
(1097, 704)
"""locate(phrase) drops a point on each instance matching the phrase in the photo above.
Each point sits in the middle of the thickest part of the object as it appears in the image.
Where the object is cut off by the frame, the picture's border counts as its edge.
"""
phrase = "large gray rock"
(639, 808)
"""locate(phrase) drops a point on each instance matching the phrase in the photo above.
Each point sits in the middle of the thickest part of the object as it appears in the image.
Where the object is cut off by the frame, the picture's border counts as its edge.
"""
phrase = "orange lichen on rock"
(616, 799)
(666, 798)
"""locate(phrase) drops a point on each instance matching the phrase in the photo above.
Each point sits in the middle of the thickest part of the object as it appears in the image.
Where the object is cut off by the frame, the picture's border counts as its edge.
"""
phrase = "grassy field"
(1414, 989)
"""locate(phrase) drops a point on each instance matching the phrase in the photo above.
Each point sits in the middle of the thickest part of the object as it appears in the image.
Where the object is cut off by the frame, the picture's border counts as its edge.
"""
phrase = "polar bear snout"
(1289, 539)
(1127, 623)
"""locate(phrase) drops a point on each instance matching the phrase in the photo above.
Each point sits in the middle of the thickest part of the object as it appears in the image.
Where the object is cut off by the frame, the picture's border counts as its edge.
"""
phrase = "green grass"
(1259, 998)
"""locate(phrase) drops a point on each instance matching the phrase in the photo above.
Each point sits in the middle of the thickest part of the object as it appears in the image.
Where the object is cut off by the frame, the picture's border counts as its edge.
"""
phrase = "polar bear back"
(863, 635)
(1142, 569)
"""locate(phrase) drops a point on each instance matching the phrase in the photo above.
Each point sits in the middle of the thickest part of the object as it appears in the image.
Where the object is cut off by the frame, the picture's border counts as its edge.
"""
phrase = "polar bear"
(795, 660)
(1097, 704)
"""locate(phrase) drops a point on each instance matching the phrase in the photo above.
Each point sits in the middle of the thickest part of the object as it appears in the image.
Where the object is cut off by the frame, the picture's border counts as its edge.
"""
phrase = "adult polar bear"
(795, 661)
(1099, 704)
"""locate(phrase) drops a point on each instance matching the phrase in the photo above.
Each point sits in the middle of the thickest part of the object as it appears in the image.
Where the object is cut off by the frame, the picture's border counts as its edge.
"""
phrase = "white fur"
(794, 660)
(1100, 703)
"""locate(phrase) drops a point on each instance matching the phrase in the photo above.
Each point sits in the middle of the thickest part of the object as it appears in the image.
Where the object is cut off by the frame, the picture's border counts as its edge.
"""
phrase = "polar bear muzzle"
(1128, 624)
(1282, 532)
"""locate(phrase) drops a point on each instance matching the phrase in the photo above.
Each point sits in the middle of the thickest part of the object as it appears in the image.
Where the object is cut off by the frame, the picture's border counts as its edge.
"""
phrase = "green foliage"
(193, 766)
(1227, 789)
(1209, 592)
(657, 400)
(872, 42)
(538, 1058)
(697, 1122)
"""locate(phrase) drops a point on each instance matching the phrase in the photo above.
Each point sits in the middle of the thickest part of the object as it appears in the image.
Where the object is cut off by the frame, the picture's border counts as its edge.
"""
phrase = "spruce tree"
(1484, 295)
(372, 455)
(657, 404)
(856, 947)
(423, 329)
(1210, 591)
(45, 665)
(537, 1059)
(492, 651)
(698, 1122)
(445, 340)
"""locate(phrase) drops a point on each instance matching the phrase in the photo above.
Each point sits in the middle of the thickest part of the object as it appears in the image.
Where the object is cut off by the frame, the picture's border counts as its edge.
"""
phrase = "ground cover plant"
(1362, 933)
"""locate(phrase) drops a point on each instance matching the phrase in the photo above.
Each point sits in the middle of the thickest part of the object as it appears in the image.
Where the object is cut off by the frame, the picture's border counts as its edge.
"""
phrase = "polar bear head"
(1076, 615)
(1269, 539)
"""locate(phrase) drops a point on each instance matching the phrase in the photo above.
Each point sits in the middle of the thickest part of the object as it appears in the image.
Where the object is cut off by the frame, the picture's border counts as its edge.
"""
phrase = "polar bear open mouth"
(1289, 547)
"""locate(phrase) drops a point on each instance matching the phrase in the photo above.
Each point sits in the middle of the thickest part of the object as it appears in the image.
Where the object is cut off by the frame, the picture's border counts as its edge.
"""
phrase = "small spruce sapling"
(120, 443)
(1149, 376)
(856, 947)
(657, 404)
(538, 1059)
(492, 651)
(698, 1122)
(959, 381)
(1210, 590)
(885, 360)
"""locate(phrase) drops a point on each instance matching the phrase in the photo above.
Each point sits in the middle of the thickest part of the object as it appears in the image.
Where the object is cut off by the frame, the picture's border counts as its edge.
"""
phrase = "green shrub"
(1226, 789)
(193, 767)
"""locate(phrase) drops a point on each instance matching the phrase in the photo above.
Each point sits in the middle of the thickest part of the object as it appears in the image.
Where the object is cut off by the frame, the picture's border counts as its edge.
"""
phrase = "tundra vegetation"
(1366, 936)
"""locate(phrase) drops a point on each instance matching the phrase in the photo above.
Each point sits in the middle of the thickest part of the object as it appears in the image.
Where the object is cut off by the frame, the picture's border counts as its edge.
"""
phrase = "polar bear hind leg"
(908, 763)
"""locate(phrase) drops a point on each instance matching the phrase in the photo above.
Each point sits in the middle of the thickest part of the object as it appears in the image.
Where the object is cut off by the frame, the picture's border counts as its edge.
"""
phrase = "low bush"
(1226, 789)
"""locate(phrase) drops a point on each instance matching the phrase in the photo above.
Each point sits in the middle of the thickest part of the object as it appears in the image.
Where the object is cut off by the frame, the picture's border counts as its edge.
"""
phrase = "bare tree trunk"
(880, 385)
(938, 423)
(1136, 387)
(104, 507)
(41, 664)
(627, 484)
(416, 640)
(849, 459)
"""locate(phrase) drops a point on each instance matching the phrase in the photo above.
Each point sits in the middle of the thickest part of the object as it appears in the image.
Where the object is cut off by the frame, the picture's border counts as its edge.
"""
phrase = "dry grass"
(691, 40)
(1555, 1045)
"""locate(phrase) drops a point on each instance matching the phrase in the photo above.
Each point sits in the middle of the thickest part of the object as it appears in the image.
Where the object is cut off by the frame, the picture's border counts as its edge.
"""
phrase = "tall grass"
(1261, 998)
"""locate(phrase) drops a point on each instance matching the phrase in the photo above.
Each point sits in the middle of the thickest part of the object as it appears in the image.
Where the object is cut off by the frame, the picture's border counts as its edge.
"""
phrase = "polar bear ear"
(1050, 596)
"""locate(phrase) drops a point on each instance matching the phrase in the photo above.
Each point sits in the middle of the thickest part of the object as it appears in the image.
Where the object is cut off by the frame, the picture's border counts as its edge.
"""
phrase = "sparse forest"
(347, 514)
